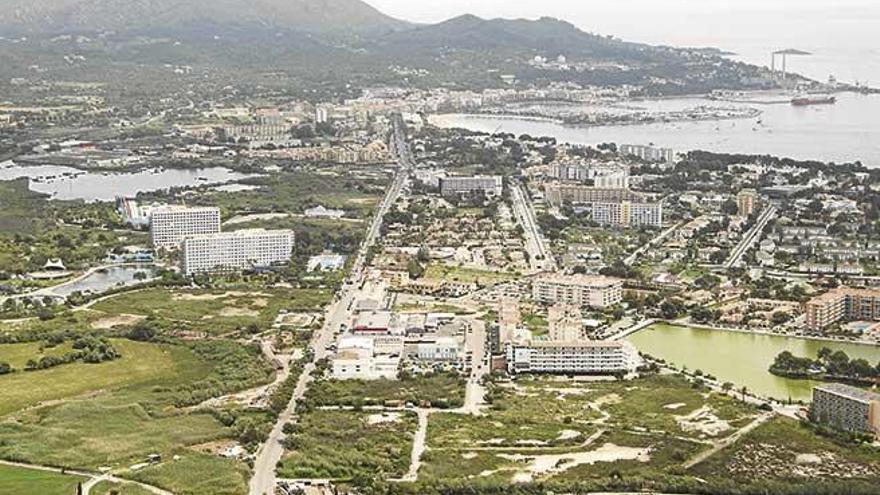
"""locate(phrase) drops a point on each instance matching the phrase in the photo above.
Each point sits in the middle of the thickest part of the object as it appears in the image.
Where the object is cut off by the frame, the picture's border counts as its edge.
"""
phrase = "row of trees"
(87, 349)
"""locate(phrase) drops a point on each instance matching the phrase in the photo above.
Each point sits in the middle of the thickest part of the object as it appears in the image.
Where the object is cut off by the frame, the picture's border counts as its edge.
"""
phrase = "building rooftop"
(173, 208)
(579, 279)
(839, 292)
(849, 392)
(240, 233)
(580, 344)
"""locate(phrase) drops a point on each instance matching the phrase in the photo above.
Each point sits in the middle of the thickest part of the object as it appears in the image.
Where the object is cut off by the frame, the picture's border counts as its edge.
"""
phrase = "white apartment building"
(580, 290)
(169, 225)
(602, 175)
(627, 214)
(492, 185)
(236, 250)
(574, 358)
(648, 153)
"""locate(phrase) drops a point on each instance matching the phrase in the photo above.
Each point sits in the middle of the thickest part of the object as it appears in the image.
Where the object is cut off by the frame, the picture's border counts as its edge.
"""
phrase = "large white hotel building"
(169, 225)
(230, 251)
(580, 290)
(573, 357)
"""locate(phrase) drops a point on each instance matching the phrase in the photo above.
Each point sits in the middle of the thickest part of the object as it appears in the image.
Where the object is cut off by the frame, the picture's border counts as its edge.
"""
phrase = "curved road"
(92, 478)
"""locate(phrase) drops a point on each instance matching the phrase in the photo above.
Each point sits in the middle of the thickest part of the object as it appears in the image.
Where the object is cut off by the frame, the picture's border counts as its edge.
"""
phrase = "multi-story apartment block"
(557, 194)
(169, 225)
(842, 304)
(579, 290)
(586, 357)
(627, 214)
(492, 185)
(846, 408)
(648, 153)
(602, 175)
(746, 202)
(230, 251)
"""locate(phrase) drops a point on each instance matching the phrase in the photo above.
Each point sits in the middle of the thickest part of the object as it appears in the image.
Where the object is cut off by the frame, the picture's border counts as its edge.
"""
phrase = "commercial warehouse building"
(846, 408)
(170, 225)
(842, 304)
(572, 358)
(580, 290)
(237, 250)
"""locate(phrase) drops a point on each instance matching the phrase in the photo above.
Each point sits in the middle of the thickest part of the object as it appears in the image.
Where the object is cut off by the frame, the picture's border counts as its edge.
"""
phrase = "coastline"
(771, 334)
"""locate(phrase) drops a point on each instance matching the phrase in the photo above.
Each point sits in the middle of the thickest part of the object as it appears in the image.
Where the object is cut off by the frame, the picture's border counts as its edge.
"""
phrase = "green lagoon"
(740, 358)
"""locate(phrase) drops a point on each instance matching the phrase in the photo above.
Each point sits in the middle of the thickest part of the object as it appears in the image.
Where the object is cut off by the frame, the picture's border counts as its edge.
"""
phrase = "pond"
(66, 183)
(741, 358)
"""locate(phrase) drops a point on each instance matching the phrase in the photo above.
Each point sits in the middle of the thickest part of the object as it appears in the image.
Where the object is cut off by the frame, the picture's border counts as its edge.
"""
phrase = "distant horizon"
(840, 35)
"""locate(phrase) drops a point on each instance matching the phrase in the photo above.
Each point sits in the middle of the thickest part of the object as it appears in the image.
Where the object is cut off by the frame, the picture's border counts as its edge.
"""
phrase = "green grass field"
(140, 363)
(22, 481)
(465, 275)
(18, 354)
(215, 312)
(196, 473)
(441, 389)
(535, 417)
(107, 487)
(345, 445)
(536, 324)
(116, 418)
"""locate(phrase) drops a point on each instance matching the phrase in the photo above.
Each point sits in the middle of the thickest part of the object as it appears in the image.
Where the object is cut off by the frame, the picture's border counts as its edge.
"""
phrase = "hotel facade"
(231, 251)
(589, 357)
(170, 225)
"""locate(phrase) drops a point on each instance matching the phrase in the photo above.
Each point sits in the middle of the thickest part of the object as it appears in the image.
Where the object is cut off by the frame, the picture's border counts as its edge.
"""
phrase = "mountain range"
(181, 16)
(349, 39)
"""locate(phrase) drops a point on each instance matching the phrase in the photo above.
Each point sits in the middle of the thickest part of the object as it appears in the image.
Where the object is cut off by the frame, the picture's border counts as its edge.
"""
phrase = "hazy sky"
(842, 34)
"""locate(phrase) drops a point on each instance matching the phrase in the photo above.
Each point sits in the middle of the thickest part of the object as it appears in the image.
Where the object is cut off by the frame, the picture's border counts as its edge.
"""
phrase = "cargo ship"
(802, 101)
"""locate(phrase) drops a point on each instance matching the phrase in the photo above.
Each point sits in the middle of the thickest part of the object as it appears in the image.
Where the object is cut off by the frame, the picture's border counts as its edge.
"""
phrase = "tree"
(702, 314)
(780, 317)
(142, 332)
(415, 269)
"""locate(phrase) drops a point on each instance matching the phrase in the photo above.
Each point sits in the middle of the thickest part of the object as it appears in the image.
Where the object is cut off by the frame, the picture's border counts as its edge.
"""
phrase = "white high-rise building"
(230, 251)
(169, 225)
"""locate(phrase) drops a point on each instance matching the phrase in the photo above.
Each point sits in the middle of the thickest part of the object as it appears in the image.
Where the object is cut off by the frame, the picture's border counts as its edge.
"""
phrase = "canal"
(740, 358)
